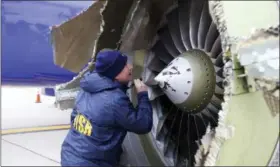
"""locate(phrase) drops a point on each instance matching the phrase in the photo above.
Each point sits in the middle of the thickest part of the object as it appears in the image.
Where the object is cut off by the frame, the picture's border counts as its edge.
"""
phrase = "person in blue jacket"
(103, 114)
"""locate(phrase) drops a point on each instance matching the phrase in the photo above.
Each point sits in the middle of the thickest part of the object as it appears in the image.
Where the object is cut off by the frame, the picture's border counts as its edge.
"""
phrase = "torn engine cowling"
(217, 103)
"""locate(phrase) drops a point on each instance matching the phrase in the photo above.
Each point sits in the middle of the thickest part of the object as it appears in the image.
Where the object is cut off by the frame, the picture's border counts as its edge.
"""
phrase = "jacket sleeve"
(139, 120)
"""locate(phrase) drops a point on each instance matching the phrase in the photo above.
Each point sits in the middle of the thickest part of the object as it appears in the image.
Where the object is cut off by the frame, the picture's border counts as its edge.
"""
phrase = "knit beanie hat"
(110, 63)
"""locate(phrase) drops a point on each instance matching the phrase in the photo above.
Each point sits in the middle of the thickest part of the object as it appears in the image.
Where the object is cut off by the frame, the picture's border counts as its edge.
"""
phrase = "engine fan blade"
(173, 26)
(161, 52)
(211, 36)
(195, 14)
(204, 24)
(216, 48)
(184, 14)
(168, 42)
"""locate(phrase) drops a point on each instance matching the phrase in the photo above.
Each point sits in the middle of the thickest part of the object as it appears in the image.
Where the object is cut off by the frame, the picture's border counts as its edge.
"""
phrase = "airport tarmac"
(20, 113)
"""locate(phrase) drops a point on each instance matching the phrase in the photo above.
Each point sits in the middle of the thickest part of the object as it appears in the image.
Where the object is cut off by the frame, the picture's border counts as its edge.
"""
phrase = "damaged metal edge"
(73, 85)
(85, 9)
(275, 157)
(229, 46)
(222, 131)
(91, 63)
(62, 92)
(66, 48)
(129, 24)
(137, 22)
(203, 149)
(259, 54)
(217, 13)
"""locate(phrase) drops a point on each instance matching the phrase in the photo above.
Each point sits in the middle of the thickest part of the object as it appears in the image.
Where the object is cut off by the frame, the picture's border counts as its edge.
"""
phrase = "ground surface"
(19, 110)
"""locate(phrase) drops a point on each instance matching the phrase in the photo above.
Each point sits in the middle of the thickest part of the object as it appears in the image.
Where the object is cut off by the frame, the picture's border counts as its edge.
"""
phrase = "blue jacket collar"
(94, 82)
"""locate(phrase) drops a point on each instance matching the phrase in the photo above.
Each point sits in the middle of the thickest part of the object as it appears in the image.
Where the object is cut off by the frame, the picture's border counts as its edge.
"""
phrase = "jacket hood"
(94, 82)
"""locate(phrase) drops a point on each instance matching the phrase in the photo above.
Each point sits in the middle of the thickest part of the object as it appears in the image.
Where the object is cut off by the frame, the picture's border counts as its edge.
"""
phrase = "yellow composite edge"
(34, 129)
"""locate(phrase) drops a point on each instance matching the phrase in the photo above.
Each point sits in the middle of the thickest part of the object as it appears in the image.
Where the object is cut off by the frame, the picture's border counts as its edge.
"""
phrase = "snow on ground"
(19, 110)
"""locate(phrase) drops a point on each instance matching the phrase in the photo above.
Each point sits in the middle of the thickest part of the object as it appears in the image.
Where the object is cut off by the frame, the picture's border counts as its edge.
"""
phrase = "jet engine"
(212, 68)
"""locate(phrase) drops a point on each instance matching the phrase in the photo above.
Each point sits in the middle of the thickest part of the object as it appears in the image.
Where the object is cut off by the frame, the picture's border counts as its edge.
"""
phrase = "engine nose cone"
(189, 80)
(176, 80)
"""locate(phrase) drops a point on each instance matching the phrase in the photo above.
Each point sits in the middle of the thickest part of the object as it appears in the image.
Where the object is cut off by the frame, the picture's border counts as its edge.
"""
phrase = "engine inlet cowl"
(189, 80)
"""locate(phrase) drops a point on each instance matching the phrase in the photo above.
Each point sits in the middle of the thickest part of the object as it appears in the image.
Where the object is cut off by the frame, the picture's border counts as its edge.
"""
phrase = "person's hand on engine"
(140, 86)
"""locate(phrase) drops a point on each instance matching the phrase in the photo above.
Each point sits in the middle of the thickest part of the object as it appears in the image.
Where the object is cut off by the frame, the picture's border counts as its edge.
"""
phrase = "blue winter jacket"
(100, 120)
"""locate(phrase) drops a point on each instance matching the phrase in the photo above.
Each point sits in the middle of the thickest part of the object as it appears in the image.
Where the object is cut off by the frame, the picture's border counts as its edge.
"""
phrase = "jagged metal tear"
(232, 36)
(66, 93)
(108, 36)
(74, 41)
